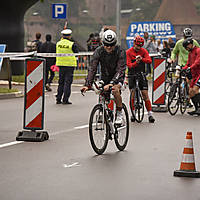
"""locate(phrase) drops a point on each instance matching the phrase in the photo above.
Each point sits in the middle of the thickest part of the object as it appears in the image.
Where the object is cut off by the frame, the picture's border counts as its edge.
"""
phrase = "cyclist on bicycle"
(136, 59)
(193, 73)
(113, 65)
(180, 52)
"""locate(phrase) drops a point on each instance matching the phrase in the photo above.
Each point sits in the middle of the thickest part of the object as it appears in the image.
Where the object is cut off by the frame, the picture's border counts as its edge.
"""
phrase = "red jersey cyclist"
(136, 58)
(193, 73)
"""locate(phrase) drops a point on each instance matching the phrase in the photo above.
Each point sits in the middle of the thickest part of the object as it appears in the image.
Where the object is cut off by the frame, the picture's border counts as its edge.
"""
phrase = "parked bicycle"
(136, 100)
(178, 96)
(102, 127)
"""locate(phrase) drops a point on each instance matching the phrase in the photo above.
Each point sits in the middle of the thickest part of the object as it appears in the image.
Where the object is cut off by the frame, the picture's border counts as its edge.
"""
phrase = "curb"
(11, 95)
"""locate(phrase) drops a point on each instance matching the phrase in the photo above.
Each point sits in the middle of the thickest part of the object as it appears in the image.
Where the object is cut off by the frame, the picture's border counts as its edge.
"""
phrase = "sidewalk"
(20, 87)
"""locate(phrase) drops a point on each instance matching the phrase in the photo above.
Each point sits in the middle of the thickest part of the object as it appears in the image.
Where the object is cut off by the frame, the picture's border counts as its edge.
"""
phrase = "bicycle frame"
(105, 102)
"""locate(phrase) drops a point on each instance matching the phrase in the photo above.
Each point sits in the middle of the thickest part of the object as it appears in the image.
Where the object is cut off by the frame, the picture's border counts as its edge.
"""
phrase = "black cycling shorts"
(143, 83)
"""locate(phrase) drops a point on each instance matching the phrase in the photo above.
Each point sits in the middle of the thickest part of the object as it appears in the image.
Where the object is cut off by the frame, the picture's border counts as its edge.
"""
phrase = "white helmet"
(187, 32)
(109, 38)
(66, 32)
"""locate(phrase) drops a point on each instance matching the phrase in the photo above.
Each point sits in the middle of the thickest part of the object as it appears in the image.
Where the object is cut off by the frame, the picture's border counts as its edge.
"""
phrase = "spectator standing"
(95, 42)
(89, 41)
(37, 41)
(151, 48)
(159, 46)
(148, 65)
(166, 52)
(171, 43)
(66, 66)
(48, 47)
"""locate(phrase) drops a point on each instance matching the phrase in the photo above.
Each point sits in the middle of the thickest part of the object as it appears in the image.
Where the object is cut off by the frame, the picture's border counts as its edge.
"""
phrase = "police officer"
(66, 66)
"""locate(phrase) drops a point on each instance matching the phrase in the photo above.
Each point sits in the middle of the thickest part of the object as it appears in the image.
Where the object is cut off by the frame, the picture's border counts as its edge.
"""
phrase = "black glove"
(188, 73)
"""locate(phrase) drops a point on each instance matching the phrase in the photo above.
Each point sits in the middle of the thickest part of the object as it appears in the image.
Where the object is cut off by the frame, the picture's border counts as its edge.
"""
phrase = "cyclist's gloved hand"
(84, 89)
(188, 73)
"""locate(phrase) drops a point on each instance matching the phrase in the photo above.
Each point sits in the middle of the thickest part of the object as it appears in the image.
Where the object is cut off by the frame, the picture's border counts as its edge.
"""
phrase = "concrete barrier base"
(32, 136)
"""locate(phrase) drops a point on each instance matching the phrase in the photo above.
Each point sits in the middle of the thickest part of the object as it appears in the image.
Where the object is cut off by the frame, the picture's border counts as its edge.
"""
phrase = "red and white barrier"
(159, 75)
(34, 101)
(34, 95)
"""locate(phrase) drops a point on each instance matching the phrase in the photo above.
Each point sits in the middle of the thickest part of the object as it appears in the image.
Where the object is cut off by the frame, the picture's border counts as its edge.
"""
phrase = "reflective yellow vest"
(65, 46)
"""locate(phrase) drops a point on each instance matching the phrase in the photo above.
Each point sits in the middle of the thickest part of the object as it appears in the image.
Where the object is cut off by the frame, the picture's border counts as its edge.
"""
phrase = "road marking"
(55, 133)
(10, 144)
(76, 164)
(80, 127)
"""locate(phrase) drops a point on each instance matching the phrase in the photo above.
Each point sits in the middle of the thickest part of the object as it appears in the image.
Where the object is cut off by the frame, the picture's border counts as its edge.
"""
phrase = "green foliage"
(197, 4)
(144, 10)
(6, 90)
(19, 79)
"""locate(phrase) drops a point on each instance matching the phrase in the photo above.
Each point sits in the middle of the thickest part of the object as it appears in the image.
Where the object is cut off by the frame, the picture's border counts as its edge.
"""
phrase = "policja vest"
(65, 46)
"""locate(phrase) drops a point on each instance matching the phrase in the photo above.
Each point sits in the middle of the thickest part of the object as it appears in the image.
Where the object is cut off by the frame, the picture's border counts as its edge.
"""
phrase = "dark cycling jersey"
(113, 65)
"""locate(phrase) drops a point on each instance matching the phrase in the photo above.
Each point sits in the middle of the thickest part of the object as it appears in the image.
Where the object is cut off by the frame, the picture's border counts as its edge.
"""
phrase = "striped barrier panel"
(158, 89)
(34, 101)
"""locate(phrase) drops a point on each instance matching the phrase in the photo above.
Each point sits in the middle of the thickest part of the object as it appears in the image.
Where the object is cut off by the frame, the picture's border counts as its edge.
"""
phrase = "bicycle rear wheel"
(98, 129)
(184, 98)
(173, 99)
(122, 132)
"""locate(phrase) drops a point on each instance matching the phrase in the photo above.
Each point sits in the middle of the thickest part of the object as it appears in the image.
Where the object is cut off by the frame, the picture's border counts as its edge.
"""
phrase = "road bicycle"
(178, 96)
(169, 77)
(136, 101)
(102, 127)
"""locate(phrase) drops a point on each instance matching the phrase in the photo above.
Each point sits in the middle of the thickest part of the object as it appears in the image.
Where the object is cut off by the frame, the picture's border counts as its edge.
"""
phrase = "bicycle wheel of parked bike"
(137, 105)
(183, 97)
(173, 99)
(98, 130)
(122, 132)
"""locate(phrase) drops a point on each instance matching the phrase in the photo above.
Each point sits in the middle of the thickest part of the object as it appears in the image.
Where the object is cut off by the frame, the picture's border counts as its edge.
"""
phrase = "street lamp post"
(118, 16)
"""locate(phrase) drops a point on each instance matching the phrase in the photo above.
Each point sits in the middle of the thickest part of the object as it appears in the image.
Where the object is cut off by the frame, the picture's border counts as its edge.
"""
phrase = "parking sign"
(161, 29)
(59, 11)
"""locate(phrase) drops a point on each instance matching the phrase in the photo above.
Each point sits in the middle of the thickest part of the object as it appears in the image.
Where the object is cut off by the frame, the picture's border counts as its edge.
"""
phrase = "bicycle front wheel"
(184, 98)
(173, 99)
(122, 132)
(98, 130)
(139, 106)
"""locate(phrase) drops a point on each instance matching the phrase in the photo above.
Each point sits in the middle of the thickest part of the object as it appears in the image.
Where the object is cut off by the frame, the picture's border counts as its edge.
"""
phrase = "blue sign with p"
(59, 11)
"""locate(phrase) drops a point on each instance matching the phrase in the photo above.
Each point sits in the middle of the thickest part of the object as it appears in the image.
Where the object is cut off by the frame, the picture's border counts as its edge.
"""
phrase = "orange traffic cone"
(187, 168)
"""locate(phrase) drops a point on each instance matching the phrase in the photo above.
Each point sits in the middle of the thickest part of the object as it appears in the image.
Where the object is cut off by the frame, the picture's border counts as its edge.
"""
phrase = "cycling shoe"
(151, 119)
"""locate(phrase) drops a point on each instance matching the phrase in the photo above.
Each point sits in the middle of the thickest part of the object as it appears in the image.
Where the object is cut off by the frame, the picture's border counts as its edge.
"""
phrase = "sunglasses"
(109, 45)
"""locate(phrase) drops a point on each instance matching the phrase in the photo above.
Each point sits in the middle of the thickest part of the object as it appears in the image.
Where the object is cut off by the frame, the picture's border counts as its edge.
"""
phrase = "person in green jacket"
(179, 51)
(66, 66)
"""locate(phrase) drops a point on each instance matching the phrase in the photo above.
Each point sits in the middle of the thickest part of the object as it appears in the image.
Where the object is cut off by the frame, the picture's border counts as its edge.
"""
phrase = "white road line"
(80, 127)
(76, 164)
(56, 133)
(10, 144)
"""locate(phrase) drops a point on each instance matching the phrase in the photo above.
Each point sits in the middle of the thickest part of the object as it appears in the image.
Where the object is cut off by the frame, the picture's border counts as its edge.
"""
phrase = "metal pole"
(118, 16)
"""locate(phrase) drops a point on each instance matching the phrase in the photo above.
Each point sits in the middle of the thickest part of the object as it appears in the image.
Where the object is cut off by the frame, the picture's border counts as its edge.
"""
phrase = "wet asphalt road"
(65, 166)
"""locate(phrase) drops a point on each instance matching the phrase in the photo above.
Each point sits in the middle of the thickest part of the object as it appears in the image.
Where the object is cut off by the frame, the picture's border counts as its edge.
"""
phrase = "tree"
(12, 28)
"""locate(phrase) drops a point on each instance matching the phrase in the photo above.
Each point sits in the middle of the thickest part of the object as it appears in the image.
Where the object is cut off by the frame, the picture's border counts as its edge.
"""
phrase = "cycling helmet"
(109, 38)
(187, 41)
(139, 41)
(187, 32)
